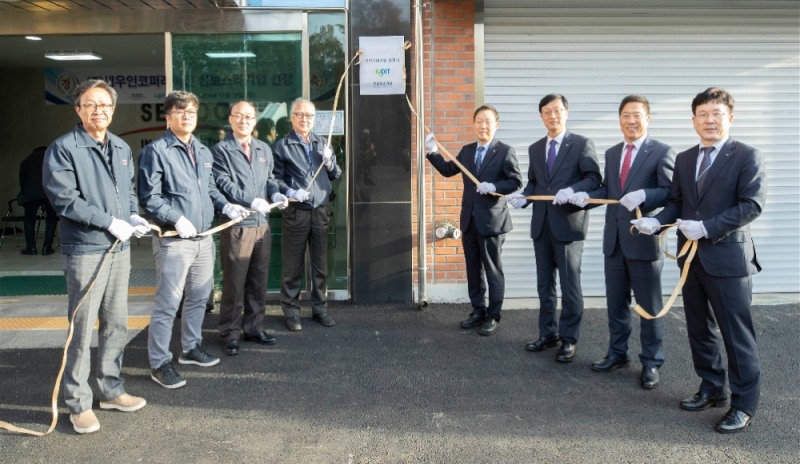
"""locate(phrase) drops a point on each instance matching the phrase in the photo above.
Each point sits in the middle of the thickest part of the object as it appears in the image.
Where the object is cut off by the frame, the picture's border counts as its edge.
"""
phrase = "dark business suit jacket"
(576, 166)
(651, 171)
(733, 196)
(488, 213)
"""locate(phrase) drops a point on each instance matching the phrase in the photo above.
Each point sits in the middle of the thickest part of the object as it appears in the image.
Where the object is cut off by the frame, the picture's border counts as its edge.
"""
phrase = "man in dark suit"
(243, 173)
(32, 198)
(305, 222)
(719, 187)
(484, 214)
(560, 164)
(638, 178)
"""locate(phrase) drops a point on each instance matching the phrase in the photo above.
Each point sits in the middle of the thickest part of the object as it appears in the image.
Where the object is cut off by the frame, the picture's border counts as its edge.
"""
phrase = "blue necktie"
(705, 164)
(551, 157)
(479, 158)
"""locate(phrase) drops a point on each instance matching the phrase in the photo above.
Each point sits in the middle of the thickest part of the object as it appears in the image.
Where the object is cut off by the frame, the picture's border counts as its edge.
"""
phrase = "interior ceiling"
(116, 50)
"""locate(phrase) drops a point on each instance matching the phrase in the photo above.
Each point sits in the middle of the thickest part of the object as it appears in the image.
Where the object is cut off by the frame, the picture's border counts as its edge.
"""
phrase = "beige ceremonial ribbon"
(444, 150)
(333, 115)
(54, 399)
(689, 247)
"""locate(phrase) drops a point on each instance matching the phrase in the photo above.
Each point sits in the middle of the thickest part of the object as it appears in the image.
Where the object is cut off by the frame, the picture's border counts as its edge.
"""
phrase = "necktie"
(705, 164)
(479, 158)
(246, 149)
(551, 157)
(626, 166)
(191, 154)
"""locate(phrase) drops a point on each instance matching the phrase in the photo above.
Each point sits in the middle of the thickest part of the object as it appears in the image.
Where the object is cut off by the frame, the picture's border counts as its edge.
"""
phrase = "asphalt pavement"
(395, 384)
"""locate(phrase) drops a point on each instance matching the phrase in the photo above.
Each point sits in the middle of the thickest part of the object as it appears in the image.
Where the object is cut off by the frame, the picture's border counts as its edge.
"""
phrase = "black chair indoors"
(10, 219)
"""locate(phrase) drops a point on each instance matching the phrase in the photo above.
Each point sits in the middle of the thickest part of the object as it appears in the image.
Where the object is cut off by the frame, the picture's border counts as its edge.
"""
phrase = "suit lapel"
(717, 166)
(641, 157)
(566, 143)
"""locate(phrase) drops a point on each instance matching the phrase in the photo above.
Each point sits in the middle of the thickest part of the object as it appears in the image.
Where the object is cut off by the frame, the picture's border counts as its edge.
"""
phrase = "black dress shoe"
(474, 320)
(262, 338)
(543, 343)
(609, 363)
(733, 421)
(293, 323)
(489, 327)
(324, 319)
(700, 401)
(47, 251)
(232, 347)
(28, 251)
(566, 353)
(650, 377)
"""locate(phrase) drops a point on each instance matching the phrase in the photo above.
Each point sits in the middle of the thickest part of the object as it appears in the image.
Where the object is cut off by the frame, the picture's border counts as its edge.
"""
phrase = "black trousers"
(482, 255)
(304, 229)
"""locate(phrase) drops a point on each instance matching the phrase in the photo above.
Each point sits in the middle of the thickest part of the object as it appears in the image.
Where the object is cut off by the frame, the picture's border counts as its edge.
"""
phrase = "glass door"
(271, 69)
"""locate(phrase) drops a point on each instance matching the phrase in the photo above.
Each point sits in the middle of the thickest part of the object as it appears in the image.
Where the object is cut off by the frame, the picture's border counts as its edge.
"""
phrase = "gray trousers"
(180, 264)
(108, 302)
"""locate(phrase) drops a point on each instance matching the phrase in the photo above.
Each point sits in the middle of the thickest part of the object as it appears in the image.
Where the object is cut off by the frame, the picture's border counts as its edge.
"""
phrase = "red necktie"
(626, 166)
(246, 148)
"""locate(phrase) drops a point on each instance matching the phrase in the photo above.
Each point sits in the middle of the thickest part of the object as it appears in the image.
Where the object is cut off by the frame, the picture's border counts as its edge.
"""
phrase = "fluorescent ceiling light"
(230, 54)
(33, 37)
(72, 56)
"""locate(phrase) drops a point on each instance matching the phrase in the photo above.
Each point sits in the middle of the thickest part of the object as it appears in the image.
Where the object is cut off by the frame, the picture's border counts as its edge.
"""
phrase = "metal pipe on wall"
(422, 255)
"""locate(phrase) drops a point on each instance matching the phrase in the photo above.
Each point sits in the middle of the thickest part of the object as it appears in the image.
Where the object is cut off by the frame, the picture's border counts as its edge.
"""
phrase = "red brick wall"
(449, 55)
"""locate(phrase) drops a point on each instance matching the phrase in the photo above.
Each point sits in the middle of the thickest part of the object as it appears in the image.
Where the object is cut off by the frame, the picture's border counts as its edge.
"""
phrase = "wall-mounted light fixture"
(72, 56)
(33, 37)
(445, 228)
(230, 54)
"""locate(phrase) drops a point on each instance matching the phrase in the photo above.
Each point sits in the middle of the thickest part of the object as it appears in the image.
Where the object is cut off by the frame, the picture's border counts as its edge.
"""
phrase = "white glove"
(562, 196)
(282, 199)
(633, 199)
(260, 205)
(693, 230)
(299, 195)
(327, 157)
(121, 229)
(646, 225)
(430, 144)
(485, 188)
(185, 228)
(140, 225)
(234, 211)
(579, 199)
(517, 200)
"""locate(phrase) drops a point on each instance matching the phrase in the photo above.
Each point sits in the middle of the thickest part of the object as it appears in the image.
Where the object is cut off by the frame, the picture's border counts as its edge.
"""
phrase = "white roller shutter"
(596, 52)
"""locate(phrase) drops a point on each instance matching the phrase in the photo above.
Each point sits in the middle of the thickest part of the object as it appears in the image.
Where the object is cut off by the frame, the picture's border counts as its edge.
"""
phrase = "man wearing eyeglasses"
(561, 163)
(88, 178)
(718, 189)
(177, 189)
(298, 156)
(243, 172)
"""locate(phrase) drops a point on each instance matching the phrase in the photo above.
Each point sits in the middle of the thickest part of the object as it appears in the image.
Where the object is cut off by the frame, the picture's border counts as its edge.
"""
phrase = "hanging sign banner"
(382, 65)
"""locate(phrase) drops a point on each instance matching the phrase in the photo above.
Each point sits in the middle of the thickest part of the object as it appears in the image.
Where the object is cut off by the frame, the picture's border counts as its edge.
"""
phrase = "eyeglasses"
(246, 117)
(104, 107)
(556, 112)
(716, 115)
(303, 115)
(181, 113)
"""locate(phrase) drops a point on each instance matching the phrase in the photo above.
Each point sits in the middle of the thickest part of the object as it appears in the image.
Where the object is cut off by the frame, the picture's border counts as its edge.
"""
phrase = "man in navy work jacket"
(305, 221)
(243, 172)
(88, 178)
(177, 189)
(718, 189)
(484, 217)
(638, 173)
(561, 164)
